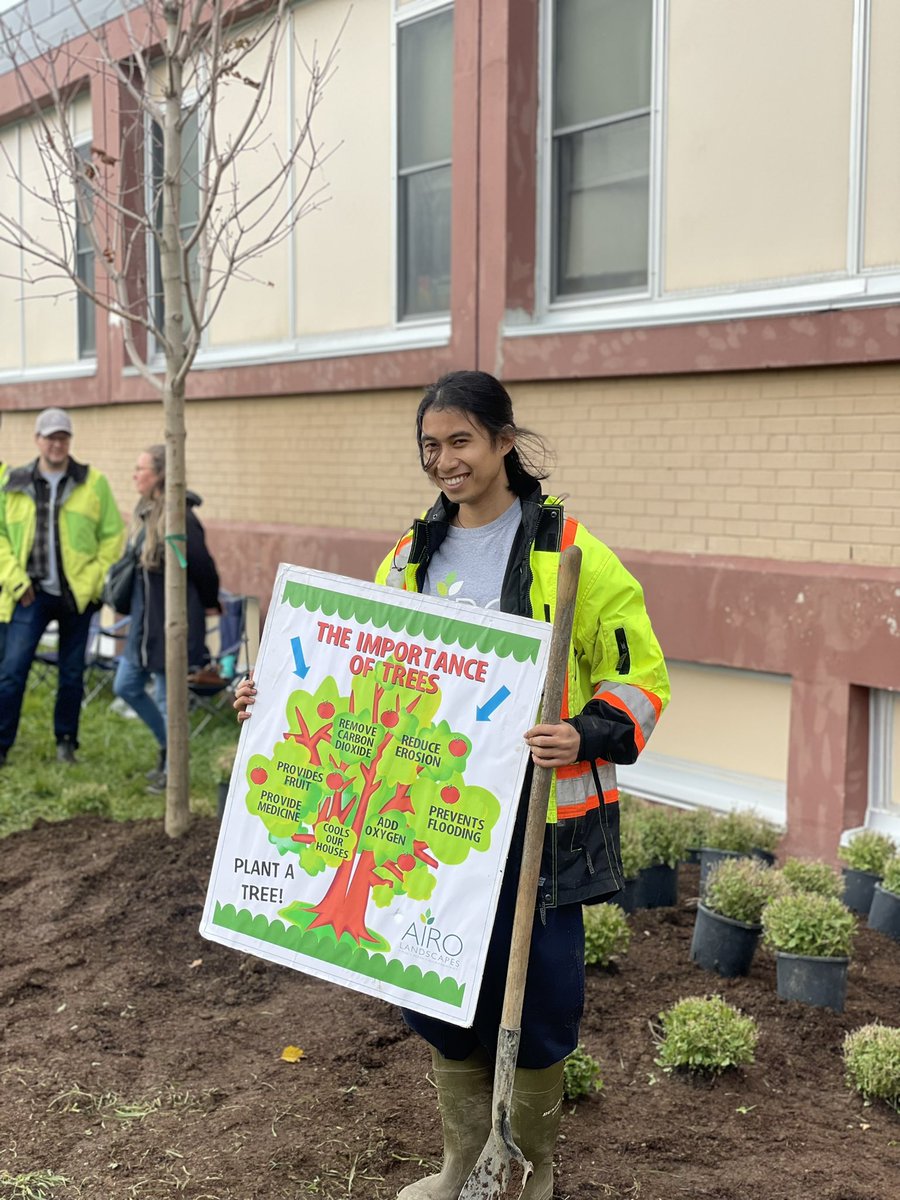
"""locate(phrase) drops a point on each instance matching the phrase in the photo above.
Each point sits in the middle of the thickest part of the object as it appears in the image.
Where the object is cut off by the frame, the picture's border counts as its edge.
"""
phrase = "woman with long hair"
(144, 659)
(492, 540)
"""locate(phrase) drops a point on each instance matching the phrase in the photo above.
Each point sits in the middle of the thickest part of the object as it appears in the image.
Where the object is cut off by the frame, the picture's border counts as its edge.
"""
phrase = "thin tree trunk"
(172, 271)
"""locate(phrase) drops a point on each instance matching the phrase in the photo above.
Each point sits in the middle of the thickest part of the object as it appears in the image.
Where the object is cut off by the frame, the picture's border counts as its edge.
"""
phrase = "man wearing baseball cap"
(60, 531)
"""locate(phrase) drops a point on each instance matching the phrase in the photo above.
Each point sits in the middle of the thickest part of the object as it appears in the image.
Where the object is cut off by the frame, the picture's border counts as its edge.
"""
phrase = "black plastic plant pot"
(819, 982)
(859, 887)
(884, 913)
(722, 944)
(629, 898)
(709, 857)
(765, 856)
(658, 886)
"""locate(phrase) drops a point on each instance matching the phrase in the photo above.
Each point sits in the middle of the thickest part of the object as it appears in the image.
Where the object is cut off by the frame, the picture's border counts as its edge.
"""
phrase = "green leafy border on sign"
(412, 622)
(341, 954)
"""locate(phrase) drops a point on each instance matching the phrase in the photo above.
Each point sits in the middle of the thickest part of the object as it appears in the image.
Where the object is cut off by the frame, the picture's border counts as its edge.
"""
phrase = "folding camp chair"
(106, 642)
(233, 638)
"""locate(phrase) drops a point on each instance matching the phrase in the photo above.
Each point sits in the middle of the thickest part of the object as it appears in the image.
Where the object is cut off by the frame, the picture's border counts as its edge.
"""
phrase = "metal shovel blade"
(490, 1175)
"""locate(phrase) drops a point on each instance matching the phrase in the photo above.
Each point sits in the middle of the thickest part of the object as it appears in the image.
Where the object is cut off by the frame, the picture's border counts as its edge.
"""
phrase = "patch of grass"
(108, 778)
(31, 1185)
(76, 1099)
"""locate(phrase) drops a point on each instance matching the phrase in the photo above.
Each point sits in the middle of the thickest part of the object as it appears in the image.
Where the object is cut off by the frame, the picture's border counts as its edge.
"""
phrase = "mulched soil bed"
(138, 1060)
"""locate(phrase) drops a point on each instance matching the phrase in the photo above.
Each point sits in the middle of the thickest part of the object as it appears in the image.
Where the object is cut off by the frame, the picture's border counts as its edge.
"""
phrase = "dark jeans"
(554, 989)
(22, 637)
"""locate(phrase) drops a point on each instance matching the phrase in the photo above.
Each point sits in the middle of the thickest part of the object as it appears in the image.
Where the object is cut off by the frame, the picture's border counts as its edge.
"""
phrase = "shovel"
(490, 1174)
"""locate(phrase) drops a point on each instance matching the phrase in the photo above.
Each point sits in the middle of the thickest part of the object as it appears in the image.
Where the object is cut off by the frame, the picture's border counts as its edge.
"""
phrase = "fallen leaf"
(196, 963)
(292, 1054)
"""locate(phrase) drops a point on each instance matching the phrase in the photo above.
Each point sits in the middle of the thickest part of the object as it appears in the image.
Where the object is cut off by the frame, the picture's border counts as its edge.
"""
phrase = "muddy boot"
(464, 1095)
(536, 1110)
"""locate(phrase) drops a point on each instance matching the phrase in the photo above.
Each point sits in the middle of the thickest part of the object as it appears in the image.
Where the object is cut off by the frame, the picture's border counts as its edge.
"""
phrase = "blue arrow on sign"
(483, 711)
(300, 667)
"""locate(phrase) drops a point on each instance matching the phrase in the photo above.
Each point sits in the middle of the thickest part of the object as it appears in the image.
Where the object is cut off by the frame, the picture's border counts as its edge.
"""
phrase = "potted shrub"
(865, 857)
(811, 936)
(705, 1035)
(766, 839)
(633, 859)
(728, 835)
(872, 1063)
(884, 913)
(728, 923)
(813, 875)
(695, 822)
(606, 934)
(663, 841)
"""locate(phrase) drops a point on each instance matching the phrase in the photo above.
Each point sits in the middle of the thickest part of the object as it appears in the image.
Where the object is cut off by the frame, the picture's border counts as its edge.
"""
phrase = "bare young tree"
(192, 87)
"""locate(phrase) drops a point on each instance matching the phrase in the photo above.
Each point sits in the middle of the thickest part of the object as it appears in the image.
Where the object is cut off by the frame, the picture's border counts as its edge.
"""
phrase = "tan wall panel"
(895, 751)
(10, 259)
(255, 309)
(50, 315)
(798, 465)
(757, 744)
(345, 250)
(882, 230)
(758, 111)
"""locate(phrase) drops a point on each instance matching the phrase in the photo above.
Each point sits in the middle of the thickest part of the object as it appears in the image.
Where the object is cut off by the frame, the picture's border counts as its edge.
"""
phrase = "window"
(601, 92)
(424, 124)
(84, 254)
(189, 208)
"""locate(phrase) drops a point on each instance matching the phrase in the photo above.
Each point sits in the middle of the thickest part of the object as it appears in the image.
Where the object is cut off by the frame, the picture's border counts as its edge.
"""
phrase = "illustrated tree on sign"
(372, 787)
(188, 170)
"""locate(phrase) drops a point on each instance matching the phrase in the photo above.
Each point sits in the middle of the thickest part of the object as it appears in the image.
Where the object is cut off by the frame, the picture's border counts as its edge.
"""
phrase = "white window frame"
(408, 14)
(881, 813)
(78, 145)
(856, 286)
(189, 98)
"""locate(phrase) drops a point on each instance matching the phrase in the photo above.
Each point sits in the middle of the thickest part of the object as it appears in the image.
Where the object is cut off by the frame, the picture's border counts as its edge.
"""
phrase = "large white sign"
(375, 789)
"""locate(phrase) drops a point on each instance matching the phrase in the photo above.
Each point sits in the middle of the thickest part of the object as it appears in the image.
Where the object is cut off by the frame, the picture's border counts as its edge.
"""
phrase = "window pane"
(425, 242)
(425, 90)
(190, 174)
(84, 260)
(602, 206)
(602, 59)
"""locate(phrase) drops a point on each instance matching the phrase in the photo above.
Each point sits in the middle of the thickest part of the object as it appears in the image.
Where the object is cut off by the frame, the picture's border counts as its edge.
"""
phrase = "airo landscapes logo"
(424, 939)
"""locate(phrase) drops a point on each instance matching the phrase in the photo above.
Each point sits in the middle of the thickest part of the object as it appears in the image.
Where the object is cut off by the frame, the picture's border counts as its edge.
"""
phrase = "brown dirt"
(110, 999)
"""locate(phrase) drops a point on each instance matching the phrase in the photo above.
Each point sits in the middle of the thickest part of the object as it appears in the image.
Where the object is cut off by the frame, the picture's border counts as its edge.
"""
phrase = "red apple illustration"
(325, 710)
(389, 719)
(457, 747)
(406, 862)
(259, 775)
(334, 781)
(450, 795)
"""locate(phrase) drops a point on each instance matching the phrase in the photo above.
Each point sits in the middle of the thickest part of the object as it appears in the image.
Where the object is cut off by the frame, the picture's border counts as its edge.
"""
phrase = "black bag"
(119, 583)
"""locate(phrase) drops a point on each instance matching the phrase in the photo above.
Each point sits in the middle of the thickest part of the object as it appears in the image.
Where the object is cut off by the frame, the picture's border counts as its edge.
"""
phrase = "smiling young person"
(493, 540)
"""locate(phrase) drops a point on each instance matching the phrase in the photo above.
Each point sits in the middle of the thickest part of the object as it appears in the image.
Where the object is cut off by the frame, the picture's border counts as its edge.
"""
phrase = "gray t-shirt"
(51, 583)
(470, 564)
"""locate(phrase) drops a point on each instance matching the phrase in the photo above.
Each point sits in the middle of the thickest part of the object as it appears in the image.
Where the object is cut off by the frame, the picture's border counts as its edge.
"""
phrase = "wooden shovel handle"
(554, 686)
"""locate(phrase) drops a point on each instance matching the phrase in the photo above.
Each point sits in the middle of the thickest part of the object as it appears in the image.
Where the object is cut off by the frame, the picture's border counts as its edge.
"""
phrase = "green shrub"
(868, 851)
(812, 875)
(706, 1034)
(891, 880)
(83, 797)
(872, 1063)
(740, 888)
(606, 934)
(809, 924)
(631, 844)
(696, 823)
(581, 1075)
(768, 835)
(736, 831)
(663, 836)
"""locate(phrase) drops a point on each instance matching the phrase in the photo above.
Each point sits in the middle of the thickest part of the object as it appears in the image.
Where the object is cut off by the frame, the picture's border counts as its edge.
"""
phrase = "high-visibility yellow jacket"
(617, 684)
(91, 534)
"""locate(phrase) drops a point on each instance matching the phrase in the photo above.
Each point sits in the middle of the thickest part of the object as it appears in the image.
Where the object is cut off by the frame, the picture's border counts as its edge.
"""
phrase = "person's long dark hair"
(485, 401)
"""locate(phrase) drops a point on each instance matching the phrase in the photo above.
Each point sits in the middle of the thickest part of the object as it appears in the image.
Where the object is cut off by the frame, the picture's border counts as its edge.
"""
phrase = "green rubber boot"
(465, 1089)
(536, 1112)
